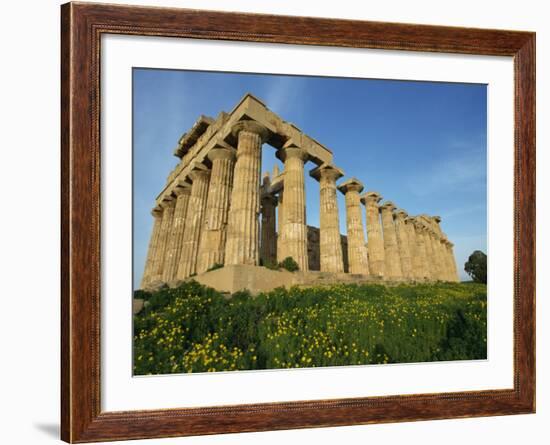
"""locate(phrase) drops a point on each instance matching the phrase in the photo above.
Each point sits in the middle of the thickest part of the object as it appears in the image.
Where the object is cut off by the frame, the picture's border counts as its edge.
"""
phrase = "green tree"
(476, 266)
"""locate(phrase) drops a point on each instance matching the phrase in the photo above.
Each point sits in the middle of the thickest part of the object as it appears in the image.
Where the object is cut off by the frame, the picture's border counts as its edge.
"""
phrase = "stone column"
(430, 260)
(153, 244)
(357, 251)
(421, 249)
(175, 241)
(375, 239)
(416, 261)
(431, 251)
(295, 228)
(403, 243)
(213, 236)
(443, 254)
(281, 252)
(193, 225)
(438, 265)
(330, 244)
(242, 245)
(447, 260)
(268, 244)
(391, 249)
(452, 263)
(168, 207)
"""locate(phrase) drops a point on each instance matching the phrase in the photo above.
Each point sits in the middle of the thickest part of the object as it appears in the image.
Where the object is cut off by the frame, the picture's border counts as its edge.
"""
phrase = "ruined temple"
(217, 209)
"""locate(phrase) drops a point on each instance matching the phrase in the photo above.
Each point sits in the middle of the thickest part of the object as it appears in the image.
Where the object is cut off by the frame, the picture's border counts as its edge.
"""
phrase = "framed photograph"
(274, 222)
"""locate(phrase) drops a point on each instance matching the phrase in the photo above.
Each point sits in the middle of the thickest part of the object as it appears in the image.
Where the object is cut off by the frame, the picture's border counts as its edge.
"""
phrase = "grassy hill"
(196, 329)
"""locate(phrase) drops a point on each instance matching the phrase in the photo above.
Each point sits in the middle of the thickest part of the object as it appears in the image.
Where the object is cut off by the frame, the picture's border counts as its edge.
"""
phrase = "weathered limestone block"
(268, 244)
(357, 251)
(175, 241)
(294, 230)
(195, 212)
(391, 249)
(377, 261)
(403, 243)
(416, 260)
(168, 206)
(213, 236)
(332, 259)
(421, 249)
(153, 244)
(243, 243)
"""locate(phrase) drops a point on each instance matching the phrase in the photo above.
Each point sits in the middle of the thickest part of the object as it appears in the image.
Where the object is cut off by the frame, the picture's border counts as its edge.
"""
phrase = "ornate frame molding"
(82, 25)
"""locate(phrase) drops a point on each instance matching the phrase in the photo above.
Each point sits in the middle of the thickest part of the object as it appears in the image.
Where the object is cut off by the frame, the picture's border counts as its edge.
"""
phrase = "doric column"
(416, 261)
(375, 239)
(443, 254)
(268, 242)
(168, 206)
(391, 249)
(437, 261)
(357, 251)
(281, 252)
(403, 243)
(175, 240)
(452, 263)
(153, 244)
(242, 245)
(330, 243)
(213, 236)
(294, 230)
(421, 249)
(447, 259)
(187, 266)
(430, 260)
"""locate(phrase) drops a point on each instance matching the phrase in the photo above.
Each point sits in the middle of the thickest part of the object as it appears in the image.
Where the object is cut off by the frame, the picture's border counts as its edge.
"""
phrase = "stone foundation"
(257, 279)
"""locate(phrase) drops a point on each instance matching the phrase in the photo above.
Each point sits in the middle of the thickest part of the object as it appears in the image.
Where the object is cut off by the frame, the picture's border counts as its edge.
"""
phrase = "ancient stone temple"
(218, 219)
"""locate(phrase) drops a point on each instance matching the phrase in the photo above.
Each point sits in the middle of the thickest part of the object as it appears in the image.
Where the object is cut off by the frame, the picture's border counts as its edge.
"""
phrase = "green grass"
(195, 329)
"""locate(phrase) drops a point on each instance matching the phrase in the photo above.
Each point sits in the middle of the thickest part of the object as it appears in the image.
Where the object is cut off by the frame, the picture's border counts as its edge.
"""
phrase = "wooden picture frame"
(82, 25)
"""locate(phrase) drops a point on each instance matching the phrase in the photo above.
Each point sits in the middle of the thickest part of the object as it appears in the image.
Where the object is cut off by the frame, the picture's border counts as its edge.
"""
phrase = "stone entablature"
(216, 209)
(279, 132)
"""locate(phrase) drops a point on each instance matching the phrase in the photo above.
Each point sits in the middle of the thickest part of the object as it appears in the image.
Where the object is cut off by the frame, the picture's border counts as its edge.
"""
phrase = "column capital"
(291, 150)
(400, 215)
(222, 152)
(351, 185)
(167, 201)
(419, 224)
(326, 170)
(436, 218)
(250, 126)
(178, 191)
(388, 206)
(270, 198)
(370, 198)
(198, 171)
(156, 211)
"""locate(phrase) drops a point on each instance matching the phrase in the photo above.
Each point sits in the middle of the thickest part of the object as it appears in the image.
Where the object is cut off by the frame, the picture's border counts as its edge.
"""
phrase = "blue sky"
(422, 145)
